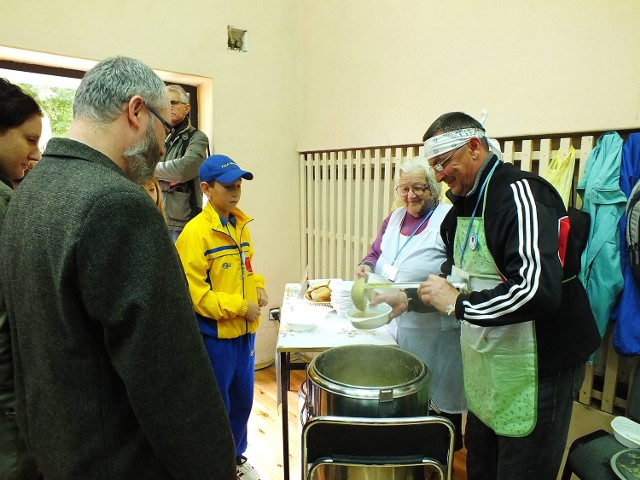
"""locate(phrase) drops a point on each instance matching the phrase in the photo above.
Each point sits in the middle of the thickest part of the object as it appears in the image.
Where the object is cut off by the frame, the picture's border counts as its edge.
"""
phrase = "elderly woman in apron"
(408, 248)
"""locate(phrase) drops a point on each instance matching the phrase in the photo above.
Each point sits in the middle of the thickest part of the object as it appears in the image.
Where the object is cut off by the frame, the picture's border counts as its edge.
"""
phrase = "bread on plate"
(319, 293)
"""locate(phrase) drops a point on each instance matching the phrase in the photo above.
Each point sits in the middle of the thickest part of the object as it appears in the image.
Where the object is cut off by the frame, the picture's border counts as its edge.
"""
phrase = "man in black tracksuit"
(526, 322)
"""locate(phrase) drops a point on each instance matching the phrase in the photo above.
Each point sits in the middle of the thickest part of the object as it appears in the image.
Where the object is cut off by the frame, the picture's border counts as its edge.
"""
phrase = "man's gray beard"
(142, 158)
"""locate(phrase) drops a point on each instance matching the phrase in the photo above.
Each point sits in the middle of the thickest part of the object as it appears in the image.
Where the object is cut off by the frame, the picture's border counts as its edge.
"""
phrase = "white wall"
(250, 109)
(350, 73)
(378, 73)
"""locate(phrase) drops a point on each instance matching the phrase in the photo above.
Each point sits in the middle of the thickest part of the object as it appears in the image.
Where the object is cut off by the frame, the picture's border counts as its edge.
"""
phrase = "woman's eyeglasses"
(418, 189)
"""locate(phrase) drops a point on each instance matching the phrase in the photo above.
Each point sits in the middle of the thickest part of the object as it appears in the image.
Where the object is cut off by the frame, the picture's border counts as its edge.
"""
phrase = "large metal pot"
(367, 381)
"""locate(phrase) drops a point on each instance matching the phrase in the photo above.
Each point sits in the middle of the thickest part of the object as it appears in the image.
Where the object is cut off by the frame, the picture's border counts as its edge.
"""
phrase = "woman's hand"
(362, 270)
(397, 299)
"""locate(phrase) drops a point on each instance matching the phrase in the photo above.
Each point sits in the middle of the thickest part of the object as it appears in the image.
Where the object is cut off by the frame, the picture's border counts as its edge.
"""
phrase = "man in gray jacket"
(177, 172)
(112, 379)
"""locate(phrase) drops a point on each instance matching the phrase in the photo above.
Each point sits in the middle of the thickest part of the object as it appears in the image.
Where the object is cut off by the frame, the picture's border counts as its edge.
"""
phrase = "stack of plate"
(341, 296)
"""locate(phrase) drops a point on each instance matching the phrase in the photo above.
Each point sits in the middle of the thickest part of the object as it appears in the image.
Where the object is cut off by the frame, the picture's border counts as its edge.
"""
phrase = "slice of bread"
(319, 293)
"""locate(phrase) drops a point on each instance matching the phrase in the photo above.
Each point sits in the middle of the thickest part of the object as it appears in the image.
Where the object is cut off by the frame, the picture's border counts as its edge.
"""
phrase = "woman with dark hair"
(20, 129)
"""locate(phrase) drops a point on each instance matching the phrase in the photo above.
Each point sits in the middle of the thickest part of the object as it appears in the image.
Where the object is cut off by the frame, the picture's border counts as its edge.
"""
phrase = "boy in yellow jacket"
(215, 249)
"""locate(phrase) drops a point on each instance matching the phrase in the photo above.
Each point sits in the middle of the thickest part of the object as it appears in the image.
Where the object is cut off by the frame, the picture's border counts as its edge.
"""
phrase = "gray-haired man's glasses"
(439, 167)
(167, 126)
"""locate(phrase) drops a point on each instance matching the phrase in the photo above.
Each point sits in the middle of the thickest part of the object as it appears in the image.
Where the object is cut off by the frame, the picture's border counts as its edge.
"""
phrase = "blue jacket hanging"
(601, 273)
(626, 333)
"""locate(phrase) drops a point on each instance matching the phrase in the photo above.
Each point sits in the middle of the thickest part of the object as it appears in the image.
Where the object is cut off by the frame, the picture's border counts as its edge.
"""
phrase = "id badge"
(459, 278)
(458, 272)
(390, 272)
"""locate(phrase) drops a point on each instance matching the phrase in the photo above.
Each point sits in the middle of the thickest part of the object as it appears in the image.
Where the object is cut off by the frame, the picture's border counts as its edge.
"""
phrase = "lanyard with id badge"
(390, 270)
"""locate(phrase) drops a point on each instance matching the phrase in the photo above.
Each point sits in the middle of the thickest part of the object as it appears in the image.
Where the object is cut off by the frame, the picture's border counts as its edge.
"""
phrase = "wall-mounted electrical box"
(237, 39)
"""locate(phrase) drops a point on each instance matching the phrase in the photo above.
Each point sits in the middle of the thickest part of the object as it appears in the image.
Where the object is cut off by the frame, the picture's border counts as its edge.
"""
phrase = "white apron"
(433, 337)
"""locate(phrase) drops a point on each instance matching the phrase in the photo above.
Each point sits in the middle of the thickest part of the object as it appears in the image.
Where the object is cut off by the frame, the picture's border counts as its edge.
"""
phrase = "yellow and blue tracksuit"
(216, 256)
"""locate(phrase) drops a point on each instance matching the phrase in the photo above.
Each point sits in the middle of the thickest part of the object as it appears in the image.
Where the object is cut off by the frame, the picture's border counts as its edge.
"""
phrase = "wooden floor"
(265, 430)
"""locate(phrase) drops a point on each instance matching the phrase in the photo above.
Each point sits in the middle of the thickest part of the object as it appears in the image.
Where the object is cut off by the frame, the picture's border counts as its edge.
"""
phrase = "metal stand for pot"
(333, 331)
(341, 448)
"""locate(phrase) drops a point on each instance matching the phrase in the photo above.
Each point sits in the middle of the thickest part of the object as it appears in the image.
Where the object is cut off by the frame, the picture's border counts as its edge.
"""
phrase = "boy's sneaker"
(244, 470)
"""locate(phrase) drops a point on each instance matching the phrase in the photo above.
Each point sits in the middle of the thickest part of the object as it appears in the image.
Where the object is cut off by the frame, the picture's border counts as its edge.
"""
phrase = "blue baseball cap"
(221, 169)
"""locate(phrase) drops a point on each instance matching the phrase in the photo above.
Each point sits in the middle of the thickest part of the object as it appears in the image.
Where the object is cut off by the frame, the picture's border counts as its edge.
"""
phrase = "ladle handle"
(393, 285)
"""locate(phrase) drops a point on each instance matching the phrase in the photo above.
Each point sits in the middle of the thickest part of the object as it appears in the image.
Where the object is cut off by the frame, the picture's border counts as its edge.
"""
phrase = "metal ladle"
(360, 287)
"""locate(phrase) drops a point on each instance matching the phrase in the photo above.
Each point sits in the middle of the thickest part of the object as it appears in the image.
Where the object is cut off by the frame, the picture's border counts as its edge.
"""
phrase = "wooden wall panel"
(347, 193)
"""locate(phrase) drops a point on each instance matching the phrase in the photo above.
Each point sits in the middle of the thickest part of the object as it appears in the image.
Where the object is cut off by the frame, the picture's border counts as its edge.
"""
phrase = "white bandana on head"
(451, 140)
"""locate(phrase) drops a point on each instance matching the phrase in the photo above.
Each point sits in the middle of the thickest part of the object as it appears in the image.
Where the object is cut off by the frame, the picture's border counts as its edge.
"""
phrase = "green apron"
(499, 363)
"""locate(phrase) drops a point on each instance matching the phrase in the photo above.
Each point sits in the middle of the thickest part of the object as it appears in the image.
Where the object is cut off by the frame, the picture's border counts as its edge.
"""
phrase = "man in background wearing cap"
(177, 172)
(526, 323)
(216, 252)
